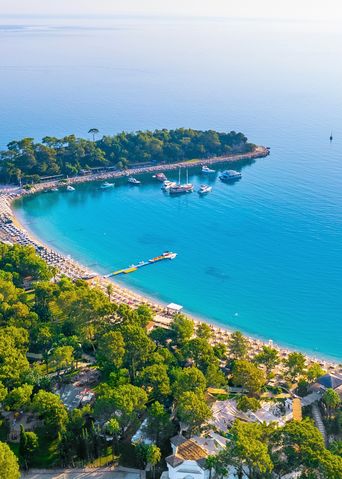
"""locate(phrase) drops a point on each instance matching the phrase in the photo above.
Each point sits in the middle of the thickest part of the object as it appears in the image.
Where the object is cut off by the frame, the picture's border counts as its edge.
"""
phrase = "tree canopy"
(9, 467)
(27, 160)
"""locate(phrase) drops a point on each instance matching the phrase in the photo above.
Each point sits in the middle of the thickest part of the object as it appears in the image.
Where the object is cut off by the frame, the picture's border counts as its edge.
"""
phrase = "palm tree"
(210, 464)
(110, 290)
(332, 401)
(113, 428)
(153, 456)
(94, 132)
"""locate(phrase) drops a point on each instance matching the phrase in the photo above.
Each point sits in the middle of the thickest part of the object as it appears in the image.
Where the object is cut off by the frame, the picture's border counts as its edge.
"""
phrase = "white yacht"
(206, 169)
(133, 181)
(107, 185)
(204, 189)
(168, 184)
(230, 175)
(70, 188)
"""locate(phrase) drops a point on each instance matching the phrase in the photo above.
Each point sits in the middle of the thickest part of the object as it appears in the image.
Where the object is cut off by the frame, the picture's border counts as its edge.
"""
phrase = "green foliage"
(295, 365)
(248, 450)
(336, 448)
(155, 380)
(13, 362)
(69, 155)
(188, 379)
(19, 398)
(193, 410)
(314, 372)
(159, 425)
(268, 357)
(214, 376)
(302, 446)
(22, 262)
(62, 357)
(249, 376)
(111, 351)
(182, 328)
(148, 454)
(27, 446)
(124, 402)
(201, 352)
(53, 412)
(246, 404)
(332, 400)
(3, 392)
(203, 331)
(9, 467)
(220, 351)
(138, 348)
(237, 346)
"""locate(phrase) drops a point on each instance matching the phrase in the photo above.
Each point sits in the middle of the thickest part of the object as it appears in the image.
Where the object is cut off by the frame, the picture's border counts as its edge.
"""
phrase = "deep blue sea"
(263, 255)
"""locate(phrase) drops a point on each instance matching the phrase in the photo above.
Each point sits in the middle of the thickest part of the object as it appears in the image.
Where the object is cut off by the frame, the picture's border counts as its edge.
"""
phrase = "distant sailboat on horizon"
(331, 136)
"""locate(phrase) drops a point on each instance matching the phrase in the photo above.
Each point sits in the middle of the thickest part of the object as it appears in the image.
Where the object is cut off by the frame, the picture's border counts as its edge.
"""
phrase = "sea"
(262, 255)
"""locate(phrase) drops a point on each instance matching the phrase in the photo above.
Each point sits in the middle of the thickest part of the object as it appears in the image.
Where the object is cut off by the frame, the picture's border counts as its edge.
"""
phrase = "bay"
(263, 255)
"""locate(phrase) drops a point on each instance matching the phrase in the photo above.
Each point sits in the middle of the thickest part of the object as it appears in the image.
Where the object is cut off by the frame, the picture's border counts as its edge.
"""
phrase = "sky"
(317, 10)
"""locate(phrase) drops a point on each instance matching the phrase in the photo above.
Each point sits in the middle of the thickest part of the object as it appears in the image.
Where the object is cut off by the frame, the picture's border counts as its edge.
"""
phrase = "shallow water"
(263, 255)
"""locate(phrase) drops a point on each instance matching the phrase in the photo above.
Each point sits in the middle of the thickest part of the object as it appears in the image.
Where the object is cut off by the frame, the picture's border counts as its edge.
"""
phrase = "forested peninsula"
(29, 161)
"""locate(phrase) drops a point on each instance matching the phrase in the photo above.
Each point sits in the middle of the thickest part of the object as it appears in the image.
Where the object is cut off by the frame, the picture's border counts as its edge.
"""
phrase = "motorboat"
(160, 177)
(54, 188)
(206, 170)
(107, 185)
(70, 188)
(168, 184)
(204, 189)
(230, 175)
(133, 181)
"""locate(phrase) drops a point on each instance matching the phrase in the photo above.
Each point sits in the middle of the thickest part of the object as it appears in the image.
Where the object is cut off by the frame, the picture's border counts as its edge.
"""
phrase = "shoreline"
(73, 269)
(258, 152)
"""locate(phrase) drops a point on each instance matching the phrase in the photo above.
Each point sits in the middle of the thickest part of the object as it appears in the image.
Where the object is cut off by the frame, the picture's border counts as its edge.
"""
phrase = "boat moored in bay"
(133, 181)
(207, 170)
(168, 184)
(204, 189)
(230, 175)
(179, 188)
(160, 177)
(106, 185)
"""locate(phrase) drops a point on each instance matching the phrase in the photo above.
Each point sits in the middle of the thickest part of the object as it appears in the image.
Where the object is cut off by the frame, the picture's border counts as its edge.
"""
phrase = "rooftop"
(188, 450)
(330, 380)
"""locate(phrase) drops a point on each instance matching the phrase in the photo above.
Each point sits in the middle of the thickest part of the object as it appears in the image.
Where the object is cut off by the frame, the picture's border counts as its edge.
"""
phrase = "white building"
(188, 458)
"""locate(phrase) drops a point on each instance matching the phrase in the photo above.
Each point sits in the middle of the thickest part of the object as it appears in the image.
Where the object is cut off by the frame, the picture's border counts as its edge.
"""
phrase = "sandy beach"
(12, 231)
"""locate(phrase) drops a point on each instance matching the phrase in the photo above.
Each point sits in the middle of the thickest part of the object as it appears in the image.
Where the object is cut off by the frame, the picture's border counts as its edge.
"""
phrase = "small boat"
(331, 137)
(70, 188)
(168, 184)
(54, 189)
(206, 169)
(107, 185)
(230, 175)
(160, 177)
(133, 181)
(204, 189)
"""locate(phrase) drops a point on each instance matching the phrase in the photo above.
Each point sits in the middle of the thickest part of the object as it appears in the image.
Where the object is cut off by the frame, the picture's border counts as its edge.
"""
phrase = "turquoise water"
(263, 255)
